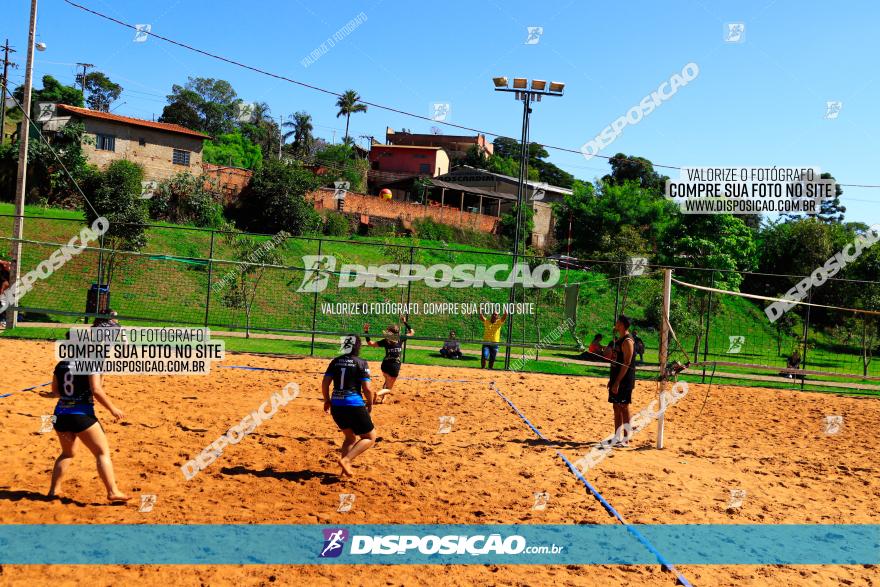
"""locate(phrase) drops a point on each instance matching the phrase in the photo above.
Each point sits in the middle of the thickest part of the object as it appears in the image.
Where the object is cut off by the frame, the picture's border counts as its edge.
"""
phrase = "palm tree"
(301, 131)
(349, 103)
(260, 112)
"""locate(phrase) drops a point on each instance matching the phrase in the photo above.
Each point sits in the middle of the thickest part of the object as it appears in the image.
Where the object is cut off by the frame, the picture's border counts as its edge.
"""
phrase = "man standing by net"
(491, 338)
(622, 380)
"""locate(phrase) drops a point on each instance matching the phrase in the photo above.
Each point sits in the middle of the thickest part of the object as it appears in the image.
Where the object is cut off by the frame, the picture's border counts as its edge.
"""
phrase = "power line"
(337, 94)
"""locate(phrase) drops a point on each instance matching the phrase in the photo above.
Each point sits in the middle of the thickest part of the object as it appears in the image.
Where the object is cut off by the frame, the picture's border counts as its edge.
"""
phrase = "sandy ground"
(770, 443)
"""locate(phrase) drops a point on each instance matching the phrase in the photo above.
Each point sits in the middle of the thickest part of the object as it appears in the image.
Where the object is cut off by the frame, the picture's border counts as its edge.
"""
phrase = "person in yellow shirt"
(491, 338)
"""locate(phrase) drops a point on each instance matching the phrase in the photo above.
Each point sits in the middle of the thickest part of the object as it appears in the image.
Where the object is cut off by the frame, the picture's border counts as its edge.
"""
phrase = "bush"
(188, 199)
(233, 149)
(427, 229)
(337, 224)
(116, 195)
(274, 200)
(508, 223)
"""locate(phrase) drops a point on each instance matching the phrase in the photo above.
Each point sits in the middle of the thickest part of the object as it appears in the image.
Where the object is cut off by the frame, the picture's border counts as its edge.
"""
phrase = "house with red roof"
(162, 149)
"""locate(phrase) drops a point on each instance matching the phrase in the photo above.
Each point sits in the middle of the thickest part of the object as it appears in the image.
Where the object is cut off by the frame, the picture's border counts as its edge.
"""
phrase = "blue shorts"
(490, 351)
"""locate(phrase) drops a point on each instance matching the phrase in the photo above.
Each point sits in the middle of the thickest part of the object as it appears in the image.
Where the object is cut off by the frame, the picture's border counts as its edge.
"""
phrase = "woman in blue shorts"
(75, 420)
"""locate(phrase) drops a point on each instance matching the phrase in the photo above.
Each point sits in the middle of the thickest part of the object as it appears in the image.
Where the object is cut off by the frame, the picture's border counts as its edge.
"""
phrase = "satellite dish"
(41, 46)
(436, 130)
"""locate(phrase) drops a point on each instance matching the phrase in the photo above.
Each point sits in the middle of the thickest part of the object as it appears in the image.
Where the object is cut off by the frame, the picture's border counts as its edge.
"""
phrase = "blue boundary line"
(27, 389)
(664, 563)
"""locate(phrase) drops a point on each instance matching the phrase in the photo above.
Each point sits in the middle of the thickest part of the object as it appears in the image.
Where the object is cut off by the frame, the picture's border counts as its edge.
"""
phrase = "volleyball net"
(732, 336)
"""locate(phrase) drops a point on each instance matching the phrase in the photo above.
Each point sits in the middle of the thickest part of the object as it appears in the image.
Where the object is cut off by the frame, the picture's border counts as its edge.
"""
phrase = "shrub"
(274, 200)
(428, 229)
(116, 195)
(336, 224)
(188, 199)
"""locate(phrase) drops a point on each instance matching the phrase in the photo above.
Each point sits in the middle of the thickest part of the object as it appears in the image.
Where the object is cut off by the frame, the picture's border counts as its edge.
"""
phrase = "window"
(142, 142)
(180, 157)
(425, 168)
(105, 142)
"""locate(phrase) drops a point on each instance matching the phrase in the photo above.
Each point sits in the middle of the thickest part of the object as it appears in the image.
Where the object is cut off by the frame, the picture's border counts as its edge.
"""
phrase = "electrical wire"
(337, 94)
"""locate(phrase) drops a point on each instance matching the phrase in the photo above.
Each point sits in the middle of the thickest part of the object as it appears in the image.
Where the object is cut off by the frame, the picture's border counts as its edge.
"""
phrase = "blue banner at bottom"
(695, 544)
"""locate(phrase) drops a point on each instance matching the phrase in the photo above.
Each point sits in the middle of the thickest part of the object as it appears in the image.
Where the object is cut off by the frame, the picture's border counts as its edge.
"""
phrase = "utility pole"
(6, 63)
(84, 66)
(18, 221)
(280, 134)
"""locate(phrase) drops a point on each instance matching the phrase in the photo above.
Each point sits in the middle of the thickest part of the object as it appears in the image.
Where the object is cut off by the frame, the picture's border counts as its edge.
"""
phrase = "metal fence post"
(210, 274)
(315, 309)
(617, 295)
(706, 339)
(408, 292)
(806, 333)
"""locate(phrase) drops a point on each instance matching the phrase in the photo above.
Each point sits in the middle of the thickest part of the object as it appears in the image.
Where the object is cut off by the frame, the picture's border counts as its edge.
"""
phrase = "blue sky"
(761, 102)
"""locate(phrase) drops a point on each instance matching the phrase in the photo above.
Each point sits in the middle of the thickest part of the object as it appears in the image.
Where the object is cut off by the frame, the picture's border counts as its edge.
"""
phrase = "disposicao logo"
(334, 542)
(319, 268)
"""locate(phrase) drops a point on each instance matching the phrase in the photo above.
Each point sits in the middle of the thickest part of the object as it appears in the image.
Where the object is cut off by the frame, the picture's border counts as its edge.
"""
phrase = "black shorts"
(391, 367)
(74, 422)
(623, 396)
(354, 418)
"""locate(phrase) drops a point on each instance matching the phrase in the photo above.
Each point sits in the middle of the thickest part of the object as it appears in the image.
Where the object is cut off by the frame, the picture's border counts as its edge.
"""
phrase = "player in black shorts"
(350, 403)
(392, 342)
(75, 419)
(622, 380)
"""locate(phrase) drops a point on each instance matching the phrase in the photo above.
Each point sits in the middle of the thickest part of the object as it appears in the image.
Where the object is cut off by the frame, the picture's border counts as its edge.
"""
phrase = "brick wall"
(231, 179)
(405, 211)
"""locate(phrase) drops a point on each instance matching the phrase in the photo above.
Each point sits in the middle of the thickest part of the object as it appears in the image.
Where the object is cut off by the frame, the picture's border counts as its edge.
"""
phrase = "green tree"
(300, 125)
(527, 223)
(188, 199)
(262, 130)
(832, 210)
(275, 199)
(52, 91)
(349, 103)
(213, 102)
(344, 165)
(47, 181)
(253, 257)
(539, 169)
(600, 212)
(720, 241)
(115, 194)
(100, 89)
(625, 168)
(233, 149)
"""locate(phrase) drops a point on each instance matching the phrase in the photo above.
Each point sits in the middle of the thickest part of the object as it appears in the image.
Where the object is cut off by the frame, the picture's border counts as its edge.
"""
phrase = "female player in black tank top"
(75, 420)
(393, 345)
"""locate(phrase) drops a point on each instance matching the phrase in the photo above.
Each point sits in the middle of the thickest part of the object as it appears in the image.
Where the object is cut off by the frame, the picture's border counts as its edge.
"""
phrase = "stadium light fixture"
(522, 91)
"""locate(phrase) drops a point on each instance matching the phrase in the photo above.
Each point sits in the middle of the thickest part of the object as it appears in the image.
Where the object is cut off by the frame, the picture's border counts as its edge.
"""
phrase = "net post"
(664, 347)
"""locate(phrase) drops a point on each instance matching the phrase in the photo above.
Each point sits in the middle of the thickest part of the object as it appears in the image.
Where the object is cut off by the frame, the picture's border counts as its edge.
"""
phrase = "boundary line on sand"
(664, 563)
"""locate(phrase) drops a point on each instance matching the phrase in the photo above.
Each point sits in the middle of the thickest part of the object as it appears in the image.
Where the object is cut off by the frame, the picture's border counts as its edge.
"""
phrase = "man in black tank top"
(622, 380)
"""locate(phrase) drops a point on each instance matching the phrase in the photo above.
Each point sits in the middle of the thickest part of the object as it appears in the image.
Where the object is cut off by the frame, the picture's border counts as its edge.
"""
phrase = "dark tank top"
(629, 380)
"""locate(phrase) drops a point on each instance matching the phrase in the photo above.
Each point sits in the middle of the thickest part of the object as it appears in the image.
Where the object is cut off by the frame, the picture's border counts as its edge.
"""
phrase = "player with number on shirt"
(350, 402)
(75, 420)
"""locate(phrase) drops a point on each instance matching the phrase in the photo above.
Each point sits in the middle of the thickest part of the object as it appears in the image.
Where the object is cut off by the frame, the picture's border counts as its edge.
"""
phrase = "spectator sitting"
(793, 362)
(451, 349)
(595, 352)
